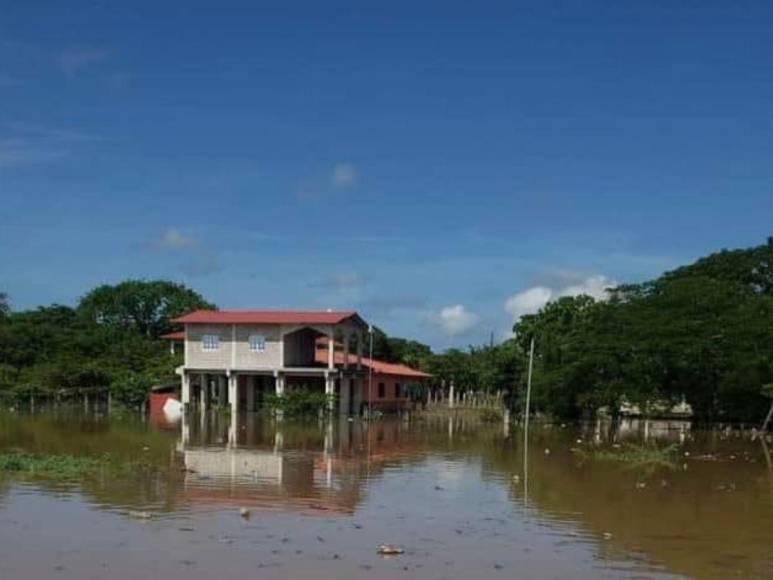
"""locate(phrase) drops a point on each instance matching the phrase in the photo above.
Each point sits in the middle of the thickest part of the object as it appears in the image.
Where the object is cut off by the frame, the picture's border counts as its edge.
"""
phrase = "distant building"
(236, 358)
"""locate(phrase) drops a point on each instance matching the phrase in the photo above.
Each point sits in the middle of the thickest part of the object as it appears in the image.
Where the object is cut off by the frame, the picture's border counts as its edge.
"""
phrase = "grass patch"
(54, 466)
(638, 455)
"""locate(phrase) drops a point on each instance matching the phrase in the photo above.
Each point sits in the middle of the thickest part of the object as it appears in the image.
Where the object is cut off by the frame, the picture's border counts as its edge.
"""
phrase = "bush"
(299, 402)
(131, 389)
(491, 416)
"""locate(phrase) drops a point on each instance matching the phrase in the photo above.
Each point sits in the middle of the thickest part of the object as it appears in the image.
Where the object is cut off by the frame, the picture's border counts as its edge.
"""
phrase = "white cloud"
(455, 320)
(73, 60)
(173, 239)
(344, 175)
(593, 286)
(530, 301)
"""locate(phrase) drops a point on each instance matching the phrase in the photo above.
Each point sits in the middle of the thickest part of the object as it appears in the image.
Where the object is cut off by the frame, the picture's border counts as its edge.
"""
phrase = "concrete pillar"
(330, 387)
(186, 390)
(346, 351)
(186, 429)
(451, 396)
(360, 342)
(356, 394)
(345, 396)
(233, 393)
(232, 427)
(331, 345)
(280, 385)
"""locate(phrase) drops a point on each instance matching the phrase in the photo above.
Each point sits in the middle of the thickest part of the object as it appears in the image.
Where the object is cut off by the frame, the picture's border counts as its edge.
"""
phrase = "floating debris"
(390, 550)
(244, 512)
(607, 535)
(140, 515)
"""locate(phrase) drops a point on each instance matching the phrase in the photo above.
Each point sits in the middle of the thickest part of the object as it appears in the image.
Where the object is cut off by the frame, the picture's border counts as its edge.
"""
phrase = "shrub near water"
(298, 402)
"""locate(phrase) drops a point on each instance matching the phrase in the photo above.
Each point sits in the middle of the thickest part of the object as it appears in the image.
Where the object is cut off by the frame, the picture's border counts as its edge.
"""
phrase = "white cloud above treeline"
(530, 301)
(455, 320)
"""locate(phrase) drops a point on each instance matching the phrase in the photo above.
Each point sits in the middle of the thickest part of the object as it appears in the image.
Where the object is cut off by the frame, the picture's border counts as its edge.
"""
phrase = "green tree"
(145, 306)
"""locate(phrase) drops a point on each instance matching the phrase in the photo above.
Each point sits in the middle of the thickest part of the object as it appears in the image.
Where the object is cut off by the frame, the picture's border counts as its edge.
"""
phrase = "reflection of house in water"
(263, 464)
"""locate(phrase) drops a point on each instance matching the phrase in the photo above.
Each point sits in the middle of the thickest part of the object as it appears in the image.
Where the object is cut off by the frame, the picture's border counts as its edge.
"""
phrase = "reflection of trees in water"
(711, 515)
(155, 471)
(716, 513)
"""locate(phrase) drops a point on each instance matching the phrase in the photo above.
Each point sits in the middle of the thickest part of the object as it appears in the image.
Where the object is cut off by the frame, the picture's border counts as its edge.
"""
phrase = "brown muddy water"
(460, 497)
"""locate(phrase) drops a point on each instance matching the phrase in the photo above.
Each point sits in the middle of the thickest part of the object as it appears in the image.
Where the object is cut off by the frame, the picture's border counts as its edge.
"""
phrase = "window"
(210, 342)
(381, 390)
(398, 390)
(257, 343)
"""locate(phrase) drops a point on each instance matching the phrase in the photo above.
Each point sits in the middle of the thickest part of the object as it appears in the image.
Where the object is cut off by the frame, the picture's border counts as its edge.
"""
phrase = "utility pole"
(370, 375)
(526, 427)
(528, 388)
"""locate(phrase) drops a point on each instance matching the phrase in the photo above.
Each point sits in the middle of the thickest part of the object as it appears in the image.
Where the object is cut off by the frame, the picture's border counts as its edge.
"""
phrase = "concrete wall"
(270, 358)
(225, 357)
(196, 357)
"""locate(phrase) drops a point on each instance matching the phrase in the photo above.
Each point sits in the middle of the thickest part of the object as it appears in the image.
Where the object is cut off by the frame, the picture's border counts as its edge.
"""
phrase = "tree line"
(108, 341)
(702, 334)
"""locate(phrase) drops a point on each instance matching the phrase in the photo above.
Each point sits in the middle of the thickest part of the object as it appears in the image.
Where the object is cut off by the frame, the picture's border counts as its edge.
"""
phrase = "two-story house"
(235, 357)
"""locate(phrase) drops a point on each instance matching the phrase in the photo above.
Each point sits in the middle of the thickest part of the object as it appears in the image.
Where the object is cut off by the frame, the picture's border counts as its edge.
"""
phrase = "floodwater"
(459, 496)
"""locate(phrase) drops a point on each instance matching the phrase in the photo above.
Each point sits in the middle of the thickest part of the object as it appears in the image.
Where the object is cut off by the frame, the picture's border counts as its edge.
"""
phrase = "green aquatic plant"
(638, 455)
(56, 465)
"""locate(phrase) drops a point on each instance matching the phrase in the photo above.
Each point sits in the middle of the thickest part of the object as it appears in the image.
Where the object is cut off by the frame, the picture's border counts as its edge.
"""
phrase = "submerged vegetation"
(299, 403)
(52, 466)
(638, 455)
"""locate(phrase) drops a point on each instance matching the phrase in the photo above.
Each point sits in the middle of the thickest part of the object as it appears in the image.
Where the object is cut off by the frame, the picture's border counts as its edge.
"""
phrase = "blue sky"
(441, 167)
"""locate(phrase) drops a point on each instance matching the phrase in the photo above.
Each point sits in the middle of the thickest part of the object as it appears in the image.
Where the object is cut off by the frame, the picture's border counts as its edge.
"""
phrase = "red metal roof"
(378, 366)
(174, 336)
(265, 317)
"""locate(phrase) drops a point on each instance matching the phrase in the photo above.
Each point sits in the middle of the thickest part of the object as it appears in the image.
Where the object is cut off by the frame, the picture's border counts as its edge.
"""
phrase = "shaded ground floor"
(352, 392)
